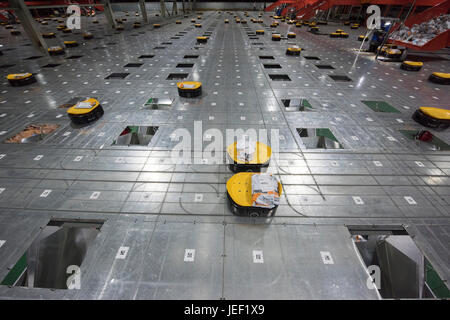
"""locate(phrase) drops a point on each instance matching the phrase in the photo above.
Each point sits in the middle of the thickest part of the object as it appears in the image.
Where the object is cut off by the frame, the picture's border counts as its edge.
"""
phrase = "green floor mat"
(15, 272)
(435, 282)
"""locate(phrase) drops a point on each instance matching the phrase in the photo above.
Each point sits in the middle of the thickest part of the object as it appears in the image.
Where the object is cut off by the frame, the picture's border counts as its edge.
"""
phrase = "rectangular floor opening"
(185, 65)
(158, 103)
(116, 75)
(311, 58)
(435, 144)
(54, 256)
(33, 133)
(133, 65)
(398, 268)
(297, 104)
(136, 136)
(266, 57)
(324, 66)
(177, 76)
(339, 78)
(33, 57)
(271, 66)
(318, 138)
(74, 57)
(51, 65)
(279, 77)
(380, 106)
(191, 56)
(146, 56)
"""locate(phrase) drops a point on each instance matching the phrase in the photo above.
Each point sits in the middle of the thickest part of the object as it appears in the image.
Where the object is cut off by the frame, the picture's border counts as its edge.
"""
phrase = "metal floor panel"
(159, 207)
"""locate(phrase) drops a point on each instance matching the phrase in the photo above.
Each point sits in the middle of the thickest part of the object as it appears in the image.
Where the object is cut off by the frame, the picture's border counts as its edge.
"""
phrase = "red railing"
(302, 4)
(298, 5)
(309, 11)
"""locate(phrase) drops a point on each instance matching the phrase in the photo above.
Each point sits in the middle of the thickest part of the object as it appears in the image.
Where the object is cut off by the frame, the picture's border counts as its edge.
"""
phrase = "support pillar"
(361, 13)
(28, 24)
(163, 8)
(174, 8)
(143, 11)
(328, 14)
(109, 13)
(336, 11)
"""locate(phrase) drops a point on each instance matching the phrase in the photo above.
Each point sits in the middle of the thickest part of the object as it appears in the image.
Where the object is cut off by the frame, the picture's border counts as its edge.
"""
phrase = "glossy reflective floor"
(161, 211)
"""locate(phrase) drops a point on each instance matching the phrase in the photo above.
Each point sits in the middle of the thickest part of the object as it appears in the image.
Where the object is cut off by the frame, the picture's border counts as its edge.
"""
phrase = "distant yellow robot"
(411, 65)
(189, 89)
(20, 79)
(293, 51)
(202, 39)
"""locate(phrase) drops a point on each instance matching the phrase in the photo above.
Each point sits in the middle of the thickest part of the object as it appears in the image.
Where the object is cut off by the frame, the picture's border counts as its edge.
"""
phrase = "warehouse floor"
(154, 213)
